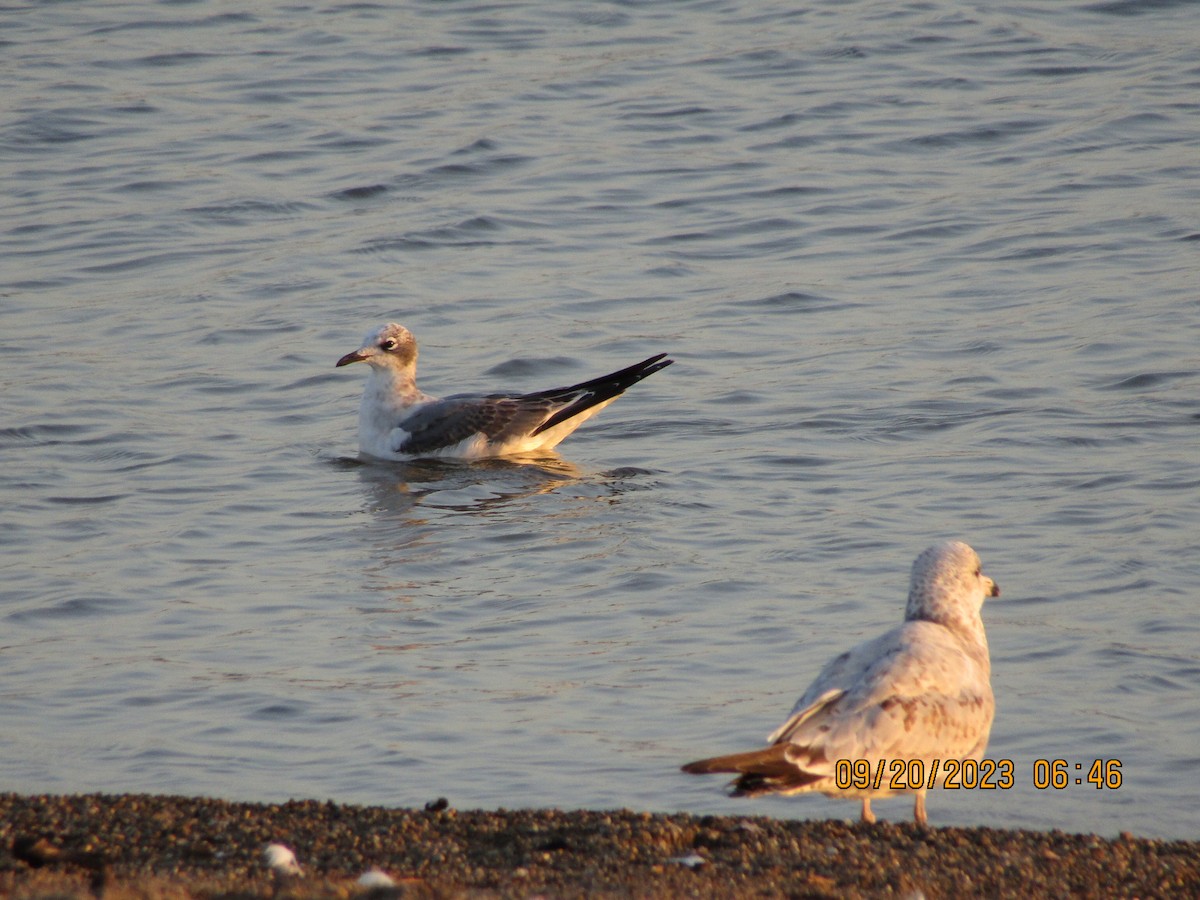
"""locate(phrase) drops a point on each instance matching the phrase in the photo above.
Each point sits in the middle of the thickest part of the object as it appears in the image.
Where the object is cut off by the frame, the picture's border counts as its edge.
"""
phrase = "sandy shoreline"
(158, 846)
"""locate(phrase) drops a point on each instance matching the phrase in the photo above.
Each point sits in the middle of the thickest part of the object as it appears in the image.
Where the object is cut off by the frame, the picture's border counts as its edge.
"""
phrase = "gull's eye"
(389, 344)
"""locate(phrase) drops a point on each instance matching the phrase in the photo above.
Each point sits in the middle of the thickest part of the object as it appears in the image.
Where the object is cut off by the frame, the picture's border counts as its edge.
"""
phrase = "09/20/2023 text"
(970, 774)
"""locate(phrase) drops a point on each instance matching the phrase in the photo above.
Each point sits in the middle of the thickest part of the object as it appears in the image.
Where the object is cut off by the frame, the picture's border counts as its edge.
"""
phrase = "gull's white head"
(948, 586)
(386, 347)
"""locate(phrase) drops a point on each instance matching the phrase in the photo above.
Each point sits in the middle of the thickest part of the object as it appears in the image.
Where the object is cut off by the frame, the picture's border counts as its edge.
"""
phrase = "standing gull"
(921, 691)
(397, 420)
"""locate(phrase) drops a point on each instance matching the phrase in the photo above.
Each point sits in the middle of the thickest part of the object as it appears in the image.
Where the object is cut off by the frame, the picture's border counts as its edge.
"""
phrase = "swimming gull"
(917, 696)
(399, 421)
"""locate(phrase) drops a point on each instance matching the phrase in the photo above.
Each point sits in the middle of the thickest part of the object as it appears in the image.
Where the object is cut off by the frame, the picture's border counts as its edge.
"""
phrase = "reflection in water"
(460, 486)
(446, 533)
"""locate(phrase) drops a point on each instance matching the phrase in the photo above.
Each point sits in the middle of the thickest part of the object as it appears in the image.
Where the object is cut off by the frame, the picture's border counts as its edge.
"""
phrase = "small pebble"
(375, 877)
(281, 860)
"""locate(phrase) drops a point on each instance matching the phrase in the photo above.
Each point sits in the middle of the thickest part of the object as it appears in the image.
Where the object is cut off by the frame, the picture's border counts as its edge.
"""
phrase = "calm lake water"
(928, 270)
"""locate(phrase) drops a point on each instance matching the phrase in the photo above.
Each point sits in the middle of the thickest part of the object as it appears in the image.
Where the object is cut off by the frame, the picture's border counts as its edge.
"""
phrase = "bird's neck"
(965, 624)
(393, 386)
(387, 395)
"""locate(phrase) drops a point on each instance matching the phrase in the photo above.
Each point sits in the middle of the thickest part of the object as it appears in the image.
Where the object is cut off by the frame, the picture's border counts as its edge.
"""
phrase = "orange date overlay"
(899, 775)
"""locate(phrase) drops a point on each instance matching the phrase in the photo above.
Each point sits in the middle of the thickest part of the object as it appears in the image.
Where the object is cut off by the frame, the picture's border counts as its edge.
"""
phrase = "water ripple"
(927, 270)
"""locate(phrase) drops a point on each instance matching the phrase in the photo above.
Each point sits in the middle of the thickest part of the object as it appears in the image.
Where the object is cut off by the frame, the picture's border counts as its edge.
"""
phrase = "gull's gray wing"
(912, 693)
(500, 417)
(443, 423)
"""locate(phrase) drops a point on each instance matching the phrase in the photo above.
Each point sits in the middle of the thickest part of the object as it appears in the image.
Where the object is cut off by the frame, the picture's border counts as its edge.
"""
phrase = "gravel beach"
(154, 846)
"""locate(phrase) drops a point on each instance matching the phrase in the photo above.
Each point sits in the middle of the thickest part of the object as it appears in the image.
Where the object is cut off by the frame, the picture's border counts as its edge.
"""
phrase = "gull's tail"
(771, 770)
(583, 396)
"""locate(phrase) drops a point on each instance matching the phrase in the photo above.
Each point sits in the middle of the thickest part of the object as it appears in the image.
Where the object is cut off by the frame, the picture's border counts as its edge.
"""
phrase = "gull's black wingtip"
(590, 393)
(653, 364)
(631, 375)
